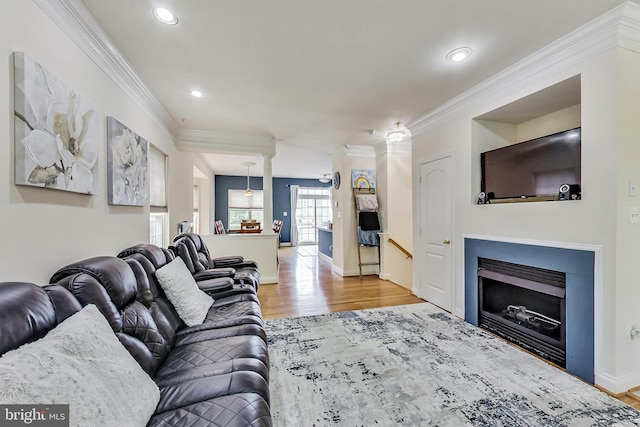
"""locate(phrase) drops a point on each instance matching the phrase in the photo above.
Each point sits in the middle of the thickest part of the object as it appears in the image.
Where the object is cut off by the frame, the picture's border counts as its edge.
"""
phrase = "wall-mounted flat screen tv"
(532, 168)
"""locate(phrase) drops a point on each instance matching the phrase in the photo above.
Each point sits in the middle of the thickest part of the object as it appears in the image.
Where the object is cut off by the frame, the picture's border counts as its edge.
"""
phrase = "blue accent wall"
(578, 266)
(281, 197)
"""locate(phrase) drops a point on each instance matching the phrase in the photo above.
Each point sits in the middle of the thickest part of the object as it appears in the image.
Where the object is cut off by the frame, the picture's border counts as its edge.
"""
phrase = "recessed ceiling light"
(196, 93)
(459, 54)
(165, 16)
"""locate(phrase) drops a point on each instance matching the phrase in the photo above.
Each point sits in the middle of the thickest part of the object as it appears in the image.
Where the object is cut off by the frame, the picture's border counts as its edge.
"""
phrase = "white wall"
(338, 199)
(204, 191)
(47, 229)
(567, 118)
(345, 241)
(627, 284)
(260, 247)
(610, 154)
(393, 181)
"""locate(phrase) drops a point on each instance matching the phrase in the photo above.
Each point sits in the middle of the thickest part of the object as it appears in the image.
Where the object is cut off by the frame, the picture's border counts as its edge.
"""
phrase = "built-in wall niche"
(550, 111)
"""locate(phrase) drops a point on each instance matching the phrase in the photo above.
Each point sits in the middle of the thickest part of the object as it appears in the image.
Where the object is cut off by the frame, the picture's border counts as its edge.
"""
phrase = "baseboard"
(617, 385)
(268, 279)
(325, 258)
(285, 243)
(365, 271)
(355, 272)
(384, 276)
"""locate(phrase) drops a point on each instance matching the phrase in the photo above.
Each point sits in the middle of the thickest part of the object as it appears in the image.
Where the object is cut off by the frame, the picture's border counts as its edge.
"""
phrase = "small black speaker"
(482, 198)
(569, 192)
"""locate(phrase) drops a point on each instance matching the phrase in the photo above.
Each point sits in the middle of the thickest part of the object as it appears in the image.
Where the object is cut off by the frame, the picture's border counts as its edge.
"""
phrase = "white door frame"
(417, 226)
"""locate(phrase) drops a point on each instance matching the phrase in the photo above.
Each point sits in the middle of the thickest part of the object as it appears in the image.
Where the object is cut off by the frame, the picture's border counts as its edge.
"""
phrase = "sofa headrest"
(144, 293)
(150, 294)
(181, 236)
(112, 273)
(158, 256)
(64, 303)
(196, 239)
(186, 249)
(26, 314)
(112, 285)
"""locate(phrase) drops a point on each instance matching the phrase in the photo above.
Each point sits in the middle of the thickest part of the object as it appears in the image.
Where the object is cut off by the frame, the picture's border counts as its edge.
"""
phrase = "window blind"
(157, 177)
(237, 200)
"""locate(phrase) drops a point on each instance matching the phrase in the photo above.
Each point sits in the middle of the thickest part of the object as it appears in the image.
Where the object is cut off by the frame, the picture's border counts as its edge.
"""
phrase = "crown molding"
(359, 151)
(225, 142)
(73, 17)
(403, 147)
(618, 27)
(629, 27)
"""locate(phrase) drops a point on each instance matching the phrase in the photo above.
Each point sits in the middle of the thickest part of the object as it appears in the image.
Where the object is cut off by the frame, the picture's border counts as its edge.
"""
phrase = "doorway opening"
(313, 210)
(201, 200)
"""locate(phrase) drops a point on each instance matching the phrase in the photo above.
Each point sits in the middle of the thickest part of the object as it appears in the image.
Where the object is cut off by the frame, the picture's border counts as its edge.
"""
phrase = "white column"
(267, 191)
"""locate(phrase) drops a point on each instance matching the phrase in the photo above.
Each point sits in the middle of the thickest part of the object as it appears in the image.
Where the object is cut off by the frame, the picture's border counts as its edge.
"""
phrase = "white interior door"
(435, 233)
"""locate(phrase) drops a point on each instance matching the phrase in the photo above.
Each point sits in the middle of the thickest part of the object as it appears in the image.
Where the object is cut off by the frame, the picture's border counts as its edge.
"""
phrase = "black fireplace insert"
(525, 305)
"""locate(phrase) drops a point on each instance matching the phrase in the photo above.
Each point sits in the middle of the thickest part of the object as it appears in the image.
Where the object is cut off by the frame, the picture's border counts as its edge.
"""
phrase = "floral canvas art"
(126, 165)
(56, 131)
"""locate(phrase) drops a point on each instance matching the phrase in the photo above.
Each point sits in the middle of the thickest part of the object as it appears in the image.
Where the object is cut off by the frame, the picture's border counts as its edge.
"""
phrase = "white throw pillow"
(82, 363)
(190, 302)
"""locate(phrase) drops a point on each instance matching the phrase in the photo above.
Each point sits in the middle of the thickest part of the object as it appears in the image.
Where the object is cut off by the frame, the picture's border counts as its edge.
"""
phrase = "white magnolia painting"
(126, 165)
(56, 131)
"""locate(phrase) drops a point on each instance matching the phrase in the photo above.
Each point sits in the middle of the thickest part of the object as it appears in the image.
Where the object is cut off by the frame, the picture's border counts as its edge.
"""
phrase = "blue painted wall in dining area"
(281, 197)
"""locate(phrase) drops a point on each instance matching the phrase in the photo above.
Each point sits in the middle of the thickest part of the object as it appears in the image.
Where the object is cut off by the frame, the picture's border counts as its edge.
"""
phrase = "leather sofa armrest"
(247, 264)
(197, 390)
(227, 261)
(213, 286)
(214, 273)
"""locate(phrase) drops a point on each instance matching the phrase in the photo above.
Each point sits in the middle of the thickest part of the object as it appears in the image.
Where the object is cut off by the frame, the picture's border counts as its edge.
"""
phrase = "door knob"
(447, 242)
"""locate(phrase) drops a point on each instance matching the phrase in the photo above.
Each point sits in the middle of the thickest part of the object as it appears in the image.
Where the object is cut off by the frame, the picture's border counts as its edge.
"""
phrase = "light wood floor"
(631, 397)
(307, 287)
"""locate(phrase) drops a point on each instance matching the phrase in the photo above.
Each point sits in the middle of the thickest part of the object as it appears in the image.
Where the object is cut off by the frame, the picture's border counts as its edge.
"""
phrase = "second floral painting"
(126, 165)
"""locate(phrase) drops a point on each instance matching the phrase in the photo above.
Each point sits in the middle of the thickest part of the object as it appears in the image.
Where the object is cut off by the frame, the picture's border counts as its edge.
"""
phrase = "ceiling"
(320, 75)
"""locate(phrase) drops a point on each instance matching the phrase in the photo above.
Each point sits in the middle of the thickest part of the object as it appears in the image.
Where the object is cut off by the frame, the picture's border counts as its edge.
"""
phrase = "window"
(157, 178)
(313, 210)
(196, 209)
(158, 227)
(243, 207)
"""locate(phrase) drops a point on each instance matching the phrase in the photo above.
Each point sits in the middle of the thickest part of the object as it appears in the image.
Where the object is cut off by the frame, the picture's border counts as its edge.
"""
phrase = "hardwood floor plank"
(307, 286)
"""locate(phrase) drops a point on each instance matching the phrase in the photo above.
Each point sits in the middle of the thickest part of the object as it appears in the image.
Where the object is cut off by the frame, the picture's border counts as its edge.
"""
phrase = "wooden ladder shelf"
(356, 192)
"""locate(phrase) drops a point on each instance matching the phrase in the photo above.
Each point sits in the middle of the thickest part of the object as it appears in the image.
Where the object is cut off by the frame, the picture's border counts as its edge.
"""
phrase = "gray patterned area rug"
(415, 365)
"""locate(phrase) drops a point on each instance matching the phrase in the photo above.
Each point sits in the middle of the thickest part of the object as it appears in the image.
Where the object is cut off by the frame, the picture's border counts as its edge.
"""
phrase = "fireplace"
(569, 300)
(525, 305)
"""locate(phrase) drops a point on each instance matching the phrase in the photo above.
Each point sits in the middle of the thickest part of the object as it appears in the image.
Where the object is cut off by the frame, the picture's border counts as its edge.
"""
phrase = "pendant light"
(325, 178)
(248, 191)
